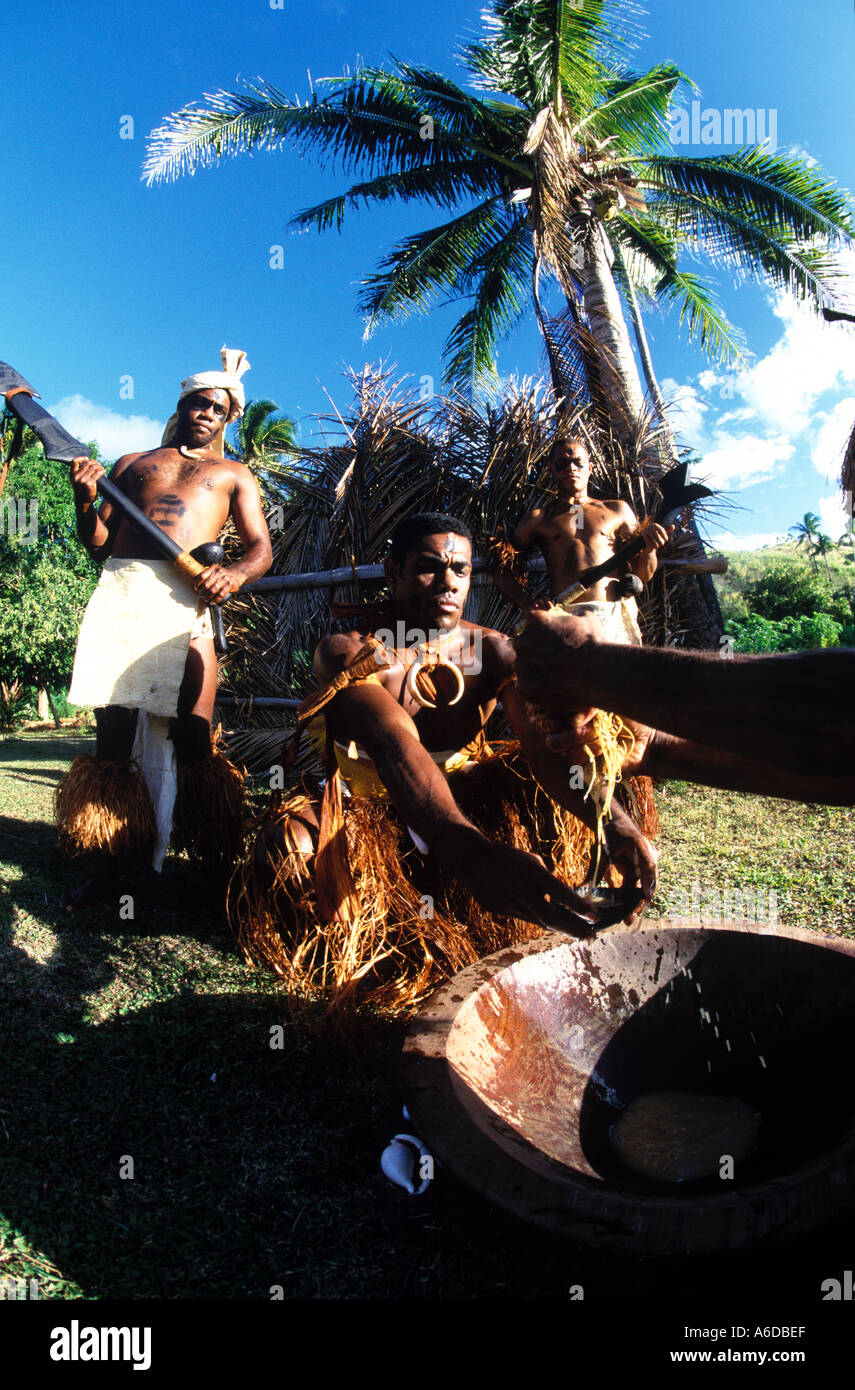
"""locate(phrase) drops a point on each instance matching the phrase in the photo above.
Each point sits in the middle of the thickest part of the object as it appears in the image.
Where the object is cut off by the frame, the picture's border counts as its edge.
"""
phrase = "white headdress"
(229, 379)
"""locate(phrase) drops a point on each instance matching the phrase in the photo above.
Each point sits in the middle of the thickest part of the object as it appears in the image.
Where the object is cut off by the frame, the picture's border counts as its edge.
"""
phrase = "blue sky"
(106, 279)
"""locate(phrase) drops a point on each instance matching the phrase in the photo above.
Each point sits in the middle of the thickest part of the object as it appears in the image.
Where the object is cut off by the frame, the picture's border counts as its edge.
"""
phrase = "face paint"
(433, 582)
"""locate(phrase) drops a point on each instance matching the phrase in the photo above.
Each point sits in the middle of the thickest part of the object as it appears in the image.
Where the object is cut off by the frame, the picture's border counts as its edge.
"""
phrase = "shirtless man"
(392, 741)
(576, 532)
(190, 491)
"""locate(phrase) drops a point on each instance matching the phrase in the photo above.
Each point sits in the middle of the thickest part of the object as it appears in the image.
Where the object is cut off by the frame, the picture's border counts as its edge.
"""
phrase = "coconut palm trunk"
(605, 316)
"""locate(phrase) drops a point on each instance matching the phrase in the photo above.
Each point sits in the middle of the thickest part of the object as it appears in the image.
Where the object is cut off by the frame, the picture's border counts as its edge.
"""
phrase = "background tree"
(806, 532)
(263, 440)
(787, 588)
(558, 157)
(823, 545)
(757, 634)
(46, 577)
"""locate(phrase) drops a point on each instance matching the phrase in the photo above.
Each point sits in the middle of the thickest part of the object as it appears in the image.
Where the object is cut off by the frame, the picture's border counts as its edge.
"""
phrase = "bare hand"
(568, 733)
(654, 536)
(215, 583)
(551, 669)
(512, 883)
(85, 473)
(631, 852)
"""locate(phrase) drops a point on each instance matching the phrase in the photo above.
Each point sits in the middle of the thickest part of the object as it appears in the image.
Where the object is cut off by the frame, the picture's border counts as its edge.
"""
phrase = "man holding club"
(145, 657)
(580, 538)
(576, 532)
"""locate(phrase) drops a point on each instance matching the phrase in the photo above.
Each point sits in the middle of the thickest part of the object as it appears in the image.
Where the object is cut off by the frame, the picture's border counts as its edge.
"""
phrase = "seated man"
(145, 657)
(443, 850)
(576, 532)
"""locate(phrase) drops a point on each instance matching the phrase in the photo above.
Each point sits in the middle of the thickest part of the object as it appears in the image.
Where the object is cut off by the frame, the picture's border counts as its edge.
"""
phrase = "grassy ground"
(147, 1042)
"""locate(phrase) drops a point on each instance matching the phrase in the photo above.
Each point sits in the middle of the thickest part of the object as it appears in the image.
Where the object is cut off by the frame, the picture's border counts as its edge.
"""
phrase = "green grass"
(257, 1166)
(724, 840)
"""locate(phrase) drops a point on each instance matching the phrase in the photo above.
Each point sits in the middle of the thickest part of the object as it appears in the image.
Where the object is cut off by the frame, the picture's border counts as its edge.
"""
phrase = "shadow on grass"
(60, 750)
(254, 1165)
(240, 1153)
(182, 901)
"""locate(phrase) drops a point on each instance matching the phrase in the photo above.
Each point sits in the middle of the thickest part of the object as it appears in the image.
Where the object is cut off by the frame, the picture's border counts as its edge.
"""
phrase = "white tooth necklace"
(428, 657)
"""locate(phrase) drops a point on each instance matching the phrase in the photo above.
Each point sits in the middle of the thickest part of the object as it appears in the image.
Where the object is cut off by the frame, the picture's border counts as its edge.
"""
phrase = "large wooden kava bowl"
(519, 1068)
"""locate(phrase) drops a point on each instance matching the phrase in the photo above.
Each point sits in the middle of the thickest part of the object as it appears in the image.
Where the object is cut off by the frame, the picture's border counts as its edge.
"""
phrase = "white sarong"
(132, 651)
(134, 638)
(618, 621)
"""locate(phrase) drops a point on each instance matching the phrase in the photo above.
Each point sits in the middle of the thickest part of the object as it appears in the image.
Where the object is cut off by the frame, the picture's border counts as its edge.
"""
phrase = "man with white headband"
(145, 657)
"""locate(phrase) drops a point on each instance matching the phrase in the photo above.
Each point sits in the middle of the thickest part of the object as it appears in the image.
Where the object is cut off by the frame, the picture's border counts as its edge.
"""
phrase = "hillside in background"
(746, 568)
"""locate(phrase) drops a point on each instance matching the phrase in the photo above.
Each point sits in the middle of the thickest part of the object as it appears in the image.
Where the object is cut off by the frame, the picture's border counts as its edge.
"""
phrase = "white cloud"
(686, 411)
(726, 540)
(114, 434)
(832, 514)
(811, 357)
(832, 438)
(737, 461)
(785, 417)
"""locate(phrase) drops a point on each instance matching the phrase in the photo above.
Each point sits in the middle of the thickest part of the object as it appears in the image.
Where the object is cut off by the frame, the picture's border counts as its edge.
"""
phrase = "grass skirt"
(371, 920)
(104, 806)
(209, 812)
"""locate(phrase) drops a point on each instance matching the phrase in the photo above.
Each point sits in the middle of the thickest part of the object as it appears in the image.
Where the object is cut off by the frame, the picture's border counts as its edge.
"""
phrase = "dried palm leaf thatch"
(104, 806)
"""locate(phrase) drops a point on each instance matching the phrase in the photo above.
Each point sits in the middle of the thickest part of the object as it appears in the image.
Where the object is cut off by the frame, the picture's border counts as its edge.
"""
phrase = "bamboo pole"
(258, 701)
(346, 574)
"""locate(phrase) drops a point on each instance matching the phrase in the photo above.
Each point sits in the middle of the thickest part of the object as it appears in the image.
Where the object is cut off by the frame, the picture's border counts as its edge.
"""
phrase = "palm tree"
(806, 533)
(558, 159)
(266, 443)
(260, 439)
(823, 545)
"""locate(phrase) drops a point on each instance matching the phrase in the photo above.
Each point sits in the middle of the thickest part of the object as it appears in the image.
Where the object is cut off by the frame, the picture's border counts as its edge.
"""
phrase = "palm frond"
(650, 255)
(443, 185)
(359, 123)
(747, 246)
(778, 190)
(634, 110)
(451, 108)
(421, 265)
(502, 271)
(524, 46)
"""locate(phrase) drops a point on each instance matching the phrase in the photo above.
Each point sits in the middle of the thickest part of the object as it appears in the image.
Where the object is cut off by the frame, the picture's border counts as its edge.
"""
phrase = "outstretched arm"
(790, 710)
(689, 761)
(624, 841)
(503, 880)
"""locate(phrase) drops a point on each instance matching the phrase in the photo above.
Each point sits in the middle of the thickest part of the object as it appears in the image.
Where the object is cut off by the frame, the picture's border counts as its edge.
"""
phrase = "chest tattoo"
(167, 509)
